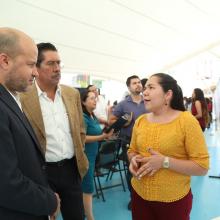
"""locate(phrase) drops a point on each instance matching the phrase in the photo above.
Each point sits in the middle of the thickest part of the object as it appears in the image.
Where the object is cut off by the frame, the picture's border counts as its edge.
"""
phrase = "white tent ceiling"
(116, 38)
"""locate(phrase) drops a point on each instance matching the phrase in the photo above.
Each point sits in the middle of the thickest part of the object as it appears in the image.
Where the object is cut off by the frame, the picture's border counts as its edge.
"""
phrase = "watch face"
(166, 163)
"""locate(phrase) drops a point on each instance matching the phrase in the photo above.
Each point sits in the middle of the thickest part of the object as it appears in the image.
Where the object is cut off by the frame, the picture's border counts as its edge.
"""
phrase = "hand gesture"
(108, 135)
(135, 164)
(54, 215)
(150, 165)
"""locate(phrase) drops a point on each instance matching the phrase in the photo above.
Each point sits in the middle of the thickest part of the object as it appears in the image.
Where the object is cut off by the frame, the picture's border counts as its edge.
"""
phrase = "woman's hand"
(108, 135)
(101, 137)
(134, 164)
(150, 165)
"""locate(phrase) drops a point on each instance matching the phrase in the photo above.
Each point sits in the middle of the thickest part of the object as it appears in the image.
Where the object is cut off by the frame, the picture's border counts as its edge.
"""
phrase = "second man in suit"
(55, 113)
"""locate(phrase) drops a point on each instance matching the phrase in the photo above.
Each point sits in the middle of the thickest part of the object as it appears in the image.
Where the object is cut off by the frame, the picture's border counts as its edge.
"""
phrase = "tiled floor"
(206, 191)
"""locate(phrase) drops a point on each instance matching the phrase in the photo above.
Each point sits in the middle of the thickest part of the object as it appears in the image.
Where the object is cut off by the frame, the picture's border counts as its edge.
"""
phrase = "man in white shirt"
(55, 113)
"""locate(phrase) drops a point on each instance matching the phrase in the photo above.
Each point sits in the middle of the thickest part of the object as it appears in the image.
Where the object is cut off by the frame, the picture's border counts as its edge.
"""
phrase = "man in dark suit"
(24, 191)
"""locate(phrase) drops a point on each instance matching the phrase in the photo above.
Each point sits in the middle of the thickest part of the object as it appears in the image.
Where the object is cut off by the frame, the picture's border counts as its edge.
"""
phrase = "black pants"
(64, 179)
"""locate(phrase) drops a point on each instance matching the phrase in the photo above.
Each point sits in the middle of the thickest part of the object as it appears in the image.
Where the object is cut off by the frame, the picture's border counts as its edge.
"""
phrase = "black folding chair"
(107, 163)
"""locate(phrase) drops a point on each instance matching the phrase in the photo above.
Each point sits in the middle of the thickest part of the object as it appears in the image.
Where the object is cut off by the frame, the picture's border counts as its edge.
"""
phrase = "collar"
(129, 99)
(16, 97)
(41, 93)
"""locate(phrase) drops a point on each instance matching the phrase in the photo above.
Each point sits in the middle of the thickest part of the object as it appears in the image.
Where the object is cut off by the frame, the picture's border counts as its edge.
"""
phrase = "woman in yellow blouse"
(167, 147)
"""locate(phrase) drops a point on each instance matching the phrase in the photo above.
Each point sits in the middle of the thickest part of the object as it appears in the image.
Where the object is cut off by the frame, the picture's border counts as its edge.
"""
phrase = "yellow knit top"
(181, 138)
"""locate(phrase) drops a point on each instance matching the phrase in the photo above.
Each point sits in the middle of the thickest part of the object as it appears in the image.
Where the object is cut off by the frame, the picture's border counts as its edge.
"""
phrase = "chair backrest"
(107, 153)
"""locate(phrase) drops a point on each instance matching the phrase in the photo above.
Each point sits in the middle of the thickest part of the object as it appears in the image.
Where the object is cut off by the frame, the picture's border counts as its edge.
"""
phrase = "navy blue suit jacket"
(24, 191)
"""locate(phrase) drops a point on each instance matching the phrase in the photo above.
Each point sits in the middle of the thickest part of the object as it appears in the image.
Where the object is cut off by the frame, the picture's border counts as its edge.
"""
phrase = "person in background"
(209, 106)
(199, 108)
(132, 105)
(111, 108)
(101, 110)
(143, 83)
(93, 136)
(24, 190)
(55, 113)
(166, 149)
(189, 104)
(185, 102)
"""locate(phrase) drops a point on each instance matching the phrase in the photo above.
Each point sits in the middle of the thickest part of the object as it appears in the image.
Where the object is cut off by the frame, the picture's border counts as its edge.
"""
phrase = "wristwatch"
(166, 163)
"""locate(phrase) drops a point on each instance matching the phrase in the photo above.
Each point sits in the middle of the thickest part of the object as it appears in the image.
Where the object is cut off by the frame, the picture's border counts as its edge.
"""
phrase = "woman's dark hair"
(89, 86)
(143, 82)
(199, 96)
(167, 82)
(84, 95)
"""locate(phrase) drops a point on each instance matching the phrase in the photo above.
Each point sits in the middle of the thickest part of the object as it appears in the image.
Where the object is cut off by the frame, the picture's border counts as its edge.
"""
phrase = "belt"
(61, 162)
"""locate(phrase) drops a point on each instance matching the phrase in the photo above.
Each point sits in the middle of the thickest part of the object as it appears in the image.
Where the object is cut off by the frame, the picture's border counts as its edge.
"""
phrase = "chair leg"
(111, 175)
(111, 171)
(107, 177)
(96, 188)
(120, 172)
(100, 189)
(122, 181)
(125, 167)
